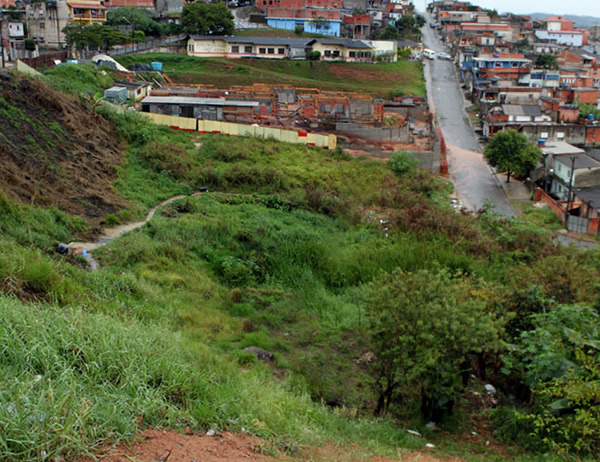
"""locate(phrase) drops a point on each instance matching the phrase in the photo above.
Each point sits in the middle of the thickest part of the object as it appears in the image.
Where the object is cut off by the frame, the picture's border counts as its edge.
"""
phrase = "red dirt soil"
(171, 446)
(56, 151)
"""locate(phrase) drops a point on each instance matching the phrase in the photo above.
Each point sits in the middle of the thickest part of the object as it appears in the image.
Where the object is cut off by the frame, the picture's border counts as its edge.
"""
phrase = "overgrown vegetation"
(372, 293)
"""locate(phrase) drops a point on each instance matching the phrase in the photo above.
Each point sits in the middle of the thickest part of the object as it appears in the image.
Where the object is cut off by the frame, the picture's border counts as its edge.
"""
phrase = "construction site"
(361, 121)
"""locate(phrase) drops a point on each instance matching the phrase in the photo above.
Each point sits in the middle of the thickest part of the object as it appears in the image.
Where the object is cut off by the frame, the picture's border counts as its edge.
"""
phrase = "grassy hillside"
(379, 80)
(358, 279)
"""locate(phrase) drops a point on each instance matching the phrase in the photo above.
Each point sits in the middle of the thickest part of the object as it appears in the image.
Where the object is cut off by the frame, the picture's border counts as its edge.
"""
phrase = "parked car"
(432, 25)
(443, 55)
(429, 53)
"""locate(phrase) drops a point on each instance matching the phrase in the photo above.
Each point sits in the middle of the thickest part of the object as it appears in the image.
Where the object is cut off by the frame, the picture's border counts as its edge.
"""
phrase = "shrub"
(402, 163)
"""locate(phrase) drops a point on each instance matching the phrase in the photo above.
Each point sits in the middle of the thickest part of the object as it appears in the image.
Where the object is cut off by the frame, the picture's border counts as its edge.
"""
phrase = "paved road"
(473, 179)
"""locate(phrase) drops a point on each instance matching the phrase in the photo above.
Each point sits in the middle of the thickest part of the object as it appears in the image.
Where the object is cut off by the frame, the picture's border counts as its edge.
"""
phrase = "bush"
(402, 163)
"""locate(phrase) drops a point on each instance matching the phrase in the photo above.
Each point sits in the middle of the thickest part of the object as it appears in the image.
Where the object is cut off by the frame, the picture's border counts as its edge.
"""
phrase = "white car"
(429, 53)
(442, 55)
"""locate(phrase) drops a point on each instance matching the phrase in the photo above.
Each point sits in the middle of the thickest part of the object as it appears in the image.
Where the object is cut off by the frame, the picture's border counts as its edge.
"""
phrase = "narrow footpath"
(110, 234)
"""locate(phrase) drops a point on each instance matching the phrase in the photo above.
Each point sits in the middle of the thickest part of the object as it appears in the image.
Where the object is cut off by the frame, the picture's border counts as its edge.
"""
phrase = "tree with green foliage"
(138, 19)
(510, 152)
(390, 33)
(95, 35)
(523, 45)
(561, 361)
(423, 326)
(546, 61)
(201, 18)
(586, 109)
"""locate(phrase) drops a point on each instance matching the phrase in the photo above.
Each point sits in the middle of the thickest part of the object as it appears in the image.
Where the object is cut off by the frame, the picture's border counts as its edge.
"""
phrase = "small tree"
(423, 326)
(510, 152)
(201, 18)
(546, 61)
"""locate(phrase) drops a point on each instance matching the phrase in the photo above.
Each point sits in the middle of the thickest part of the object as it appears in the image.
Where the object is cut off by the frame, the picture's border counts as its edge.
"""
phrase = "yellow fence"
(228, 128)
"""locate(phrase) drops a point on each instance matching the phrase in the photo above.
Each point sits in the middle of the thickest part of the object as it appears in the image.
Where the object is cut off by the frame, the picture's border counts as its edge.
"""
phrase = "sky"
(558, 7)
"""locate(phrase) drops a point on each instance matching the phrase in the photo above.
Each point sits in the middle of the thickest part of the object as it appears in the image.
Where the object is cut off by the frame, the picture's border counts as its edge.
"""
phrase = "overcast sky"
(559, 7)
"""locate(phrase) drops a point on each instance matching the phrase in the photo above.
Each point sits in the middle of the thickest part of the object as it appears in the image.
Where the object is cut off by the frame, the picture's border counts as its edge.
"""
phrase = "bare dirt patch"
(56, 151)
(171, 446)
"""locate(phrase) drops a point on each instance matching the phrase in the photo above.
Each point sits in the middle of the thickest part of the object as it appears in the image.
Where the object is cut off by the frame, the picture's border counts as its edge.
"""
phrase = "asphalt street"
(474, 181)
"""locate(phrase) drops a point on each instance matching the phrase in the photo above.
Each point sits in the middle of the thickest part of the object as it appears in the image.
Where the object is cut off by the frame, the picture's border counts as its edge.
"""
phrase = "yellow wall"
(228, 128)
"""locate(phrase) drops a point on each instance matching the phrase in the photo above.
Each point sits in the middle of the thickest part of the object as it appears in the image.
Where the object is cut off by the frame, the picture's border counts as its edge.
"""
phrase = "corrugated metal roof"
(521, 110)
(345, 43)
(196, 101)
(560, 147)
(581, 161)
(590, 195)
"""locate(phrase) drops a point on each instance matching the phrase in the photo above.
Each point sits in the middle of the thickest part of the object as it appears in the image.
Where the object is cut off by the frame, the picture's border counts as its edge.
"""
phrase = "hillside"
(380, 308)
(55, 150)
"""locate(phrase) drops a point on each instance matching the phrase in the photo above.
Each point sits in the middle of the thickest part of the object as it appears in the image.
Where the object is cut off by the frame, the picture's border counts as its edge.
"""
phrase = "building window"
(336, 53)
(281, 51)
(352, 54)
(271, 51)
(191, 48)
(327, 52)
(235, 49)
(262, 51)
(42, 24)
(248, 49)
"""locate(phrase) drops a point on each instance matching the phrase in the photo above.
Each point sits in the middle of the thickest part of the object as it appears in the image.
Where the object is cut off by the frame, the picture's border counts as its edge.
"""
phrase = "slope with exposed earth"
(56, 151)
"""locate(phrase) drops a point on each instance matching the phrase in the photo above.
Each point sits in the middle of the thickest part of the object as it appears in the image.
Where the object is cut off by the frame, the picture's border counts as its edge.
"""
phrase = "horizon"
(550, 7)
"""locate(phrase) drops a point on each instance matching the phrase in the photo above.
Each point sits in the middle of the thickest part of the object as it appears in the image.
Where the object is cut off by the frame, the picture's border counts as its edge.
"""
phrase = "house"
(146, 4)
(248, 47)
(561, 30)
(357, 26)
(541, 78)
(136, 91)
(511, 116)
(501, 65)
(290, 48)
(197, 107)
(87, 12)
(311, 20)
(574, 171)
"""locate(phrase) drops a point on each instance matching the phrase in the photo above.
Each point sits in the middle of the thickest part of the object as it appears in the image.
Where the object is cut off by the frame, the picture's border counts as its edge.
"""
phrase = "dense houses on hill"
(44, 21)
(541, 78)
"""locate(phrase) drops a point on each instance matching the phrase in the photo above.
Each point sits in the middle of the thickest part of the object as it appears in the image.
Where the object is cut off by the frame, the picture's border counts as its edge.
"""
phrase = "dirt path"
(86, 248)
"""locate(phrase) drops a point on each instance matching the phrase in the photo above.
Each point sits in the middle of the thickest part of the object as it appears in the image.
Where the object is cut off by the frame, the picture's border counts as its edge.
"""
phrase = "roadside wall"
(227, 128)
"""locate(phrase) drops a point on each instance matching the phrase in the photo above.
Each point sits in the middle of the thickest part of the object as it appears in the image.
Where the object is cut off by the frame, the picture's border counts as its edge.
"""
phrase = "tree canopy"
(204, 19)
(546, 61)
(510, 152)
(96, 35)
(138, 18)
(423, 325)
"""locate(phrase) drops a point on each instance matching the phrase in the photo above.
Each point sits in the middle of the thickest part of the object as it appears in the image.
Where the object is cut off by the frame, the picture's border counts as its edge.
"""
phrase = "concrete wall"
(228, 128)
(380, 134)
(573, 134)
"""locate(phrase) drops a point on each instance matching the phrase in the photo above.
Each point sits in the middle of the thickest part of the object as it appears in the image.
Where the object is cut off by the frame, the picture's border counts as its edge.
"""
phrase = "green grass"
(379, 80)
(544, 218)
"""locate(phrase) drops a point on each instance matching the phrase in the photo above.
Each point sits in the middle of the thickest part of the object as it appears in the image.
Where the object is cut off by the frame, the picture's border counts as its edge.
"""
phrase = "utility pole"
(570, 190)
(1, 40)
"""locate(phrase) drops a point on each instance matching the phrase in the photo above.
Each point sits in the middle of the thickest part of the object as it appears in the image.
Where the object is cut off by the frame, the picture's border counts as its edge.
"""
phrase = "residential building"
(562, 31)
(574, 171)
(314, 21)
(501, 65)
(291, 48)
(248, 47)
